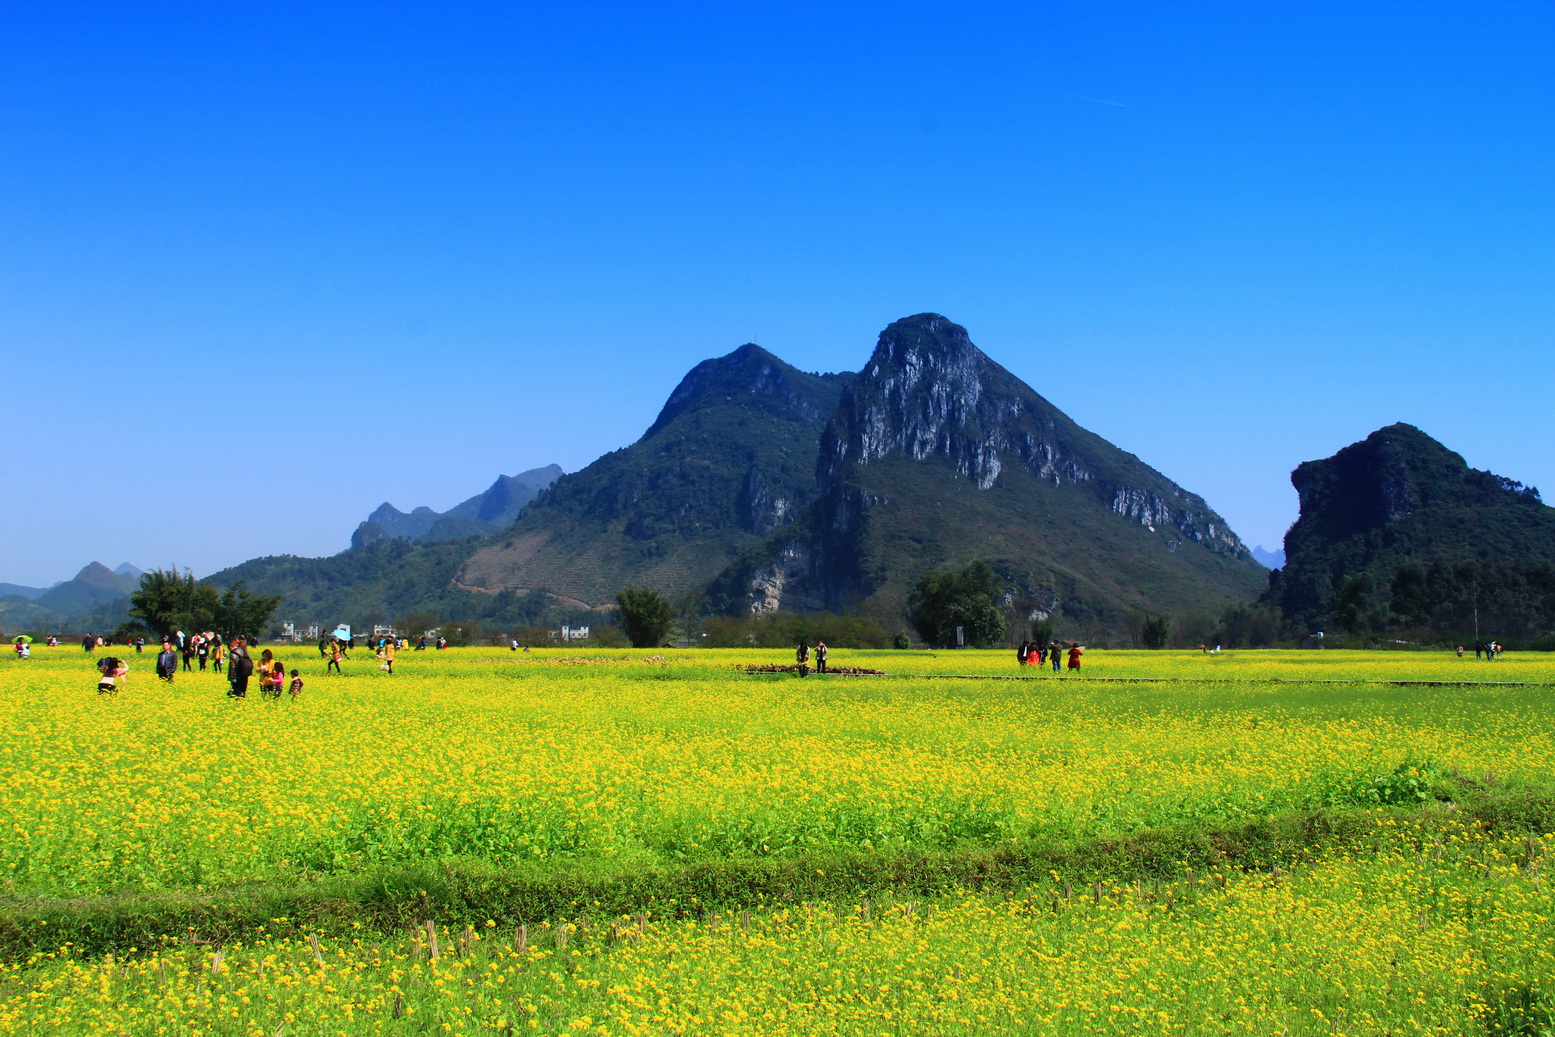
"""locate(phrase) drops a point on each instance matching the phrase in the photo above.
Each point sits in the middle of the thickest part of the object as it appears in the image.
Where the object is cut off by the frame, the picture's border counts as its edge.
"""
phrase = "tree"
(168, 601)
(1042, 631)
(646, 615)
(460, 634)
(942, 601)
(240, 611)
(1354, 608)
(1157, 631)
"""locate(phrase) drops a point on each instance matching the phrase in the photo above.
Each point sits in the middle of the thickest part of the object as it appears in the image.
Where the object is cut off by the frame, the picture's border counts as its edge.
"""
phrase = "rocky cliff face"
(937, 455)
(929, 392)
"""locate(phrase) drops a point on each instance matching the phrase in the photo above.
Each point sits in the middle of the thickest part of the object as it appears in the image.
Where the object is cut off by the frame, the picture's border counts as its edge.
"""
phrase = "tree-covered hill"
(1399, 508)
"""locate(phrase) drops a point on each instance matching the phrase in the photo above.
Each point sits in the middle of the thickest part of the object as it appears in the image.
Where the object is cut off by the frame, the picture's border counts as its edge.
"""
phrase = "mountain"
(761, 487)
(1269, 559)
(94, 585)
(8, 590)
(729, 460)
(490, 511)
(1399, 500)
(937, 456)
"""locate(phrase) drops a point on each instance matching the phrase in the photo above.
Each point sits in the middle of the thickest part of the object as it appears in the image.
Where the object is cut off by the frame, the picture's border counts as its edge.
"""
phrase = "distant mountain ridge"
(729, 459)
(487, 512)
(89, 591)
(1269, 559)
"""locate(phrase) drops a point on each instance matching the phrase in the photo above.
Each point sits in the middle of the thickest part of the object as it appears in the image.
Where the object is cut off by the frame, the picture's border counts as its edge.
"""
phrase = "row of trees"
(168, 601)
(1447, 598)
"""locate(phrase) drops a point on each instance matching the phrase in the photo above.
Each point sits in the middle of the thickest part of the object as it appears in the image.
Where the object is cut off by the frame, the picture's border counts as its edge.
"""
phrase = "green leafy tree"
(1157, 631)
(942, 601)
(1042, 631)
(646, 615)
(461, 633)
(1354, 605)
(168, 601)
(240, 611)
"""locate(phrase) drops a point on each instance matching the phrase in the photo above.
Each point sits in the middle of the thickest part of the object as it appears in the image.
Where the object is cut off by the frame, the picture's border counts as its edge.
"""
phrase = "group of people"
(208, 648)
(1490, 650)
(802, 657)
(1031, 653)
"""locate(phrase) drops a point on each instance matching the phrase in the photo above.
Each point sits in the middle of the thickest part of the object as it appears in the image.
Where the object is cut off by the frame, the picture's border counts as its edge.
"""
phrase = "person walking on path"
(820, 657)
(336, 653)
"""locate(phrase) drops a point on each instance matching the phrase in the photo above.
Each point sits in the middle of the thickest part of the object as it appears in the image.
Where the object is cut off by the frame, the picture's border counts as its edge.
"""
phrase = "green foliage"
(241, 611)
(1157, 631)
(901, 642)
(1043, 631)
(785, 629)
(1434, 536)
(168, 600)
(1511, 596)
(1354, 605)
(646, 615)
(1249, 626)
(462, 633)
(941, 601)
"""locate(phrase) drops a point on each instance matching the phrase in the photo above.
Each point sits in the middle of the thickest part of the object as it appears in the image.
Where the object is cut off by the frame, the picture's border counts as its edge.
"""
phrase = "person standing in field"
(167, 662)
(239, 669)
(336, 653)
(388, 656)
(802, 657)
(296, 687)
(1023, 653)
(820, 657)
(1075, 651)
(203, 650)
(218, 652)
(1055, 652)
(271, 675)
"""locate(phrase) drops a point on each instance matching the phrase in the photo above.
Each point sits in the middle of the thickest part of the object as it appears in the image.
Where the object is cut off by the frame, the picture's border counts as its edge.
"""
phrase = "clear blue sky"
(266, 265)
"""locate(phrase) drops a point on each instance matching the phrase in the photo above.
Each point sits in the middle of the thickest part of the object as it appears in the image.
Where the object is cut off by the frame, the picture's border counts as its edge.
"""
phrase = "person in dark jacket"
(239, 669)
(167, 662)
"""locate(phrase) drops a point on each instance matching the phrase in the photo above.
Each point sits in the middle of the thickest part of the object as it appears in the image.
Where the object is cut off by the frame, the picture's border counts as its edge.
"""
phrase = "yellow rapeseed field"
(629, 756)
(1450, 937)
(540, 762)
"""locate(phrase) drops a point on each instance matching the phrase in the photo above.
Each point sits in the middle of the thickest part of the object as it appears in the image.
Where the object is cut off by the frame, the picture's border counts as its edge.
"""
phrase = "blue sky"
(266, 265)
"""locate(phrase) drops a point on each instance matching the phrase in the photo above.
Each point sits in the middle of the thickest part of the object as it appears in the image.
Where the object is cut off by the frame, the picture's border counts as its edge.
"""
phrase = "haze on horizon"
(267, 267)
